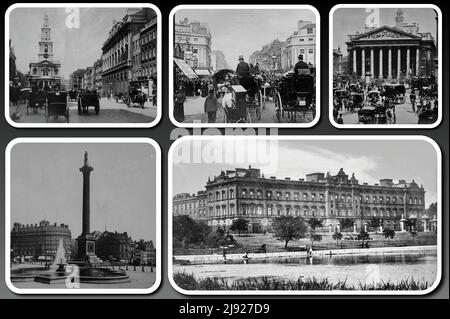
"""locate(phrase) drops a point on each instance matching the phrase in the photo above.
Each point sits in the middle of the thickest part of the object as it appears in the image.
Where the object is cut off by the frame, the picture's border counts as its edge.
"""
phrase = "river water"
(354, 269)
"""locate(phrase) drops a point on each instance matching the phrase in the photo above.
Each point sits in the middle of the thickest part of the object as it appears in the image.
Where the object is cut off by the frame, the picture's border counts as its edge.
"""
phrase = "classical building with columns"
(247, 193)
(392, 52)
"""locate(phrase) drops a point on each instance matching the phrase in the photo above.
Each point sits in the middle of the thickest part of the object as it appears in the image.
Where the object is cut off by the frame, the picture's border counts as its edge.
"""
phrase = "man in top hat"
(300, 64)
(242, 69)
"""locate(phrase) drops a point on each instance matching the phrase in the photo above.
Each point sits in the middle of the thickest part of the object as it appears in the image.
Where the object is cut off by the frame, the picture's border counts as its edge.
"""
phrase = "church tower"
(45, 44)
(399, 19)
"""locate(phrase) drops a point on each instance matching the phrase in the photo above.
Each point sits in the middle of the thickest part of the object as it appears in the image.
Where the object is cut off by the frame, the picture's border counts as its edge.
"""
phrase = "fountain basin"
(90, 275)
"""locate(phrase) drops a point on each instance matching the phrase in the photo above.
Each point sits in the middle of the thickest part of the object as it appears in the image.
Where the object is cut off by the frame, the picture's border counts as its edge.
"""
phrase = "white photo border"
(305, 138)
(241, 125)
(330, 66)
(87, 140)
(159, 78)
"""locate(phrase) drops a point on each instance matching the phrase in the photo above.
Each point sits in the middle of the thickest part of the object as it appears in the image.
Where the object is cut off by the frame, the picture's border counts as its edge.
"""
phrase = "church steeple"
(45, 44)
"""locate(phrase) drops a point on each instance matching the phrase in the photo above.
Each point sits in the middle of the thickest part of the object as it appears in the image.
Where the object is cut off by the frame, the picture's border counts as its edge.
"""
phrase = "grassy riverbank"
(253, 242)
(188, 281)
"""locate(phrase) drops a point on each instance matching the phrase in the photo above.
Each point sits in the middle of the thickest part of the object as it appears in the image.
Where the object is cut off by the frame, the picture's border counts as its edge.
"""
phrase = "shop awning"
(203, 72)
(185, 68)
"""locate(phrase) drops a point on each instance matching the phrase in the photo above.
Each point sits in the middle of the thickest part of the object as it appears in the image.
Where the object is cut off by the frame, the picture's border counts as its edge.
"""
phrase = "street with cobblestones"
(110, 112)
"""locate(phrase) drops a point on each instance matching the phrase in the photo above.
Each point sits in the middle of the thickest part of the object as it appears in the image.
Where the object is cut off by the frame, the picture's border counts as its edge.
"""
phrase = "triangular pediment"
(45, 62)
(387, 33)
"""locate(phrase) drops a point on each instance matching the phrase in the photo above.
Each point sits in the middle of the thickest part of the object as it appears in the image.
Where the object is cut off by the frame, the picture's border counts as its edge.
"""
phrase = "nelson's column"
(86, 242)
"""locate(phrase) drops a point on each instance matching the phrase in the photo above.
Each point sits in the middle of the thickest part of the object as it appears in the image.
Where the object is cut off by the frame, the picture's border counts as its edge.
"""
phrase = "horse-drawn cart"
(57, 105)
(87, 99)
(36, 100)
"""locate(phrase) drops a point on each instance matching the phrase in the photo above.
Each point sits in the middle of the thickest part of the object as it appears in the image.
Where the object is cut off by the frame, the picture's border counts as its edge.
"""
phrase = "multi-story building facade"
(117, 51)
(245, 193)
(76, 79)
(40, 241)
(195, 41)
(98, 75)
(302, 41)
(149, 48)
(145, 252)
(269, 57)
(114, 246)
(193, 205)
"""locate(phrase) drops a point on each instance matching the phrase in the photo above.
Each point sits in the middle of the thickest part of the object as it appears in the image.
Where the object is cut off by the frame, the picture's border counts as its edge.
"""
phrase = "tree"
(239, 225)
(346, 223)
(314, 223)
(314, 237)
(289, 228)
(374, 223)
(363, 236)
(337, 236)
(187, 231)
(388, 234)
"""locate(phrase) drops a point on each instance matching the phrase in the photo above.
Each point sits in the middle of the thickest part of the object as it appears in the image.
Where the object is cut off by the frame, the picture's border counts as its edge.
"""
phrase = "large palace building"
(246, 193)
(392, 52)
(39, 241)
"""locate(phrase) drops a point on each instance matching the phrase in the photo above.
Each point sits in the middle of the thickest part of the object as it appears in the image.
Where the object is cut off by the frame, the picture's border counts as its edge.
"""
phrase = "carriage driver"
(300, 65)
(242, 69)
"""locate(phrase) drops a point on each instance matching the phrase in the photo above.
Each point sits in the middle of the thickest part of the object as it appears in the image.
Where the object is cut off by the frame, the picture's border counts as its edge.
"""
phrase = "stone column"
(330, 228)
(86, 170)
(390, 64)
(338, 227)
(408, 61)
(354, 227)
(399, 62)
(380, 76)
(365, 227)
(372, 63)
(417, 61)
(355, 70)
(363, 63)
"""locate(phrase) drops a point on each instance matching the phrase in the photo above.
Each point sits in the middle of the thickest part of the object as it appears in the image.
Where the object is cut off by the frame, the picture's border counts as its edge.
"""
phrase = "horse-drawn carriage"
(36, 100)
(374, 96)
(88, 99)
(73, 95)
(57, 105)
(357, 101)
(135, 95)
(295, 95)
(395, 93)
(376, 113)
(240, 96)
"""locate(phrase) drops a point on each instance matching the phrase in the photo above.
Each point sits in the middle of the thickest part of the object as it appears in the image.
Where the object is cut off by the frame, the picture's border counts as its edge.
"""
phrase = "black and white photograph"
(244, 66)
(91, 65)
(293, 215)
(386, 66)
(83, 216)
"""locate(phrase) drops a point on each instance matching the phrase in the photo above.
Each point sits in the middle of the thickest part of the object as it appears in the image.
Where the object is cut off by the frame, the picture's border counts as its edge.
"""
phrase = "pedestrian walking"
(178, 110)
(340, 120)
(211, 105)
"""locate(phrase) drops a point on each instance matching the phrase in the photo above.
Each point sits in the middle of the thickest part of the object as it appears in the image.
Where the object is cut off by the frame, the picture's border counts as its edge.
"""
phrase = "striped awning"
(185, 68)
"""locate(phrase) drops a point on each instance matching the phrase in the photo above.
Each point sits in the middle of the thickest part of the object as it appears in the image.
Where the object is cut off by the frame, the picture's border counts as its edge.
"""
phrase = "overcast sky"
(242, 31)
(46, 184)
(348, 21)
(369, 160)
(73, 47)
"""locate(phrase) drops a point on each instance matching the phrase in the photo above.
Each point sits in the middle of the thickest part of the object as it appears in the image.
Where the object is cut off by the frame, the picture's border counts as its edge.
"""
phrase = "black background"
(294, 305)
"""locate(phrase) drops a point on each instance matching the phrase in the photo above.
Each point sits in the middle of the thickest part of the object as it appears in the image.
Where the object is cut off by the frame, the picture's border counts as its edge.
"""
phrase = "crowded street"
(110, 112)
